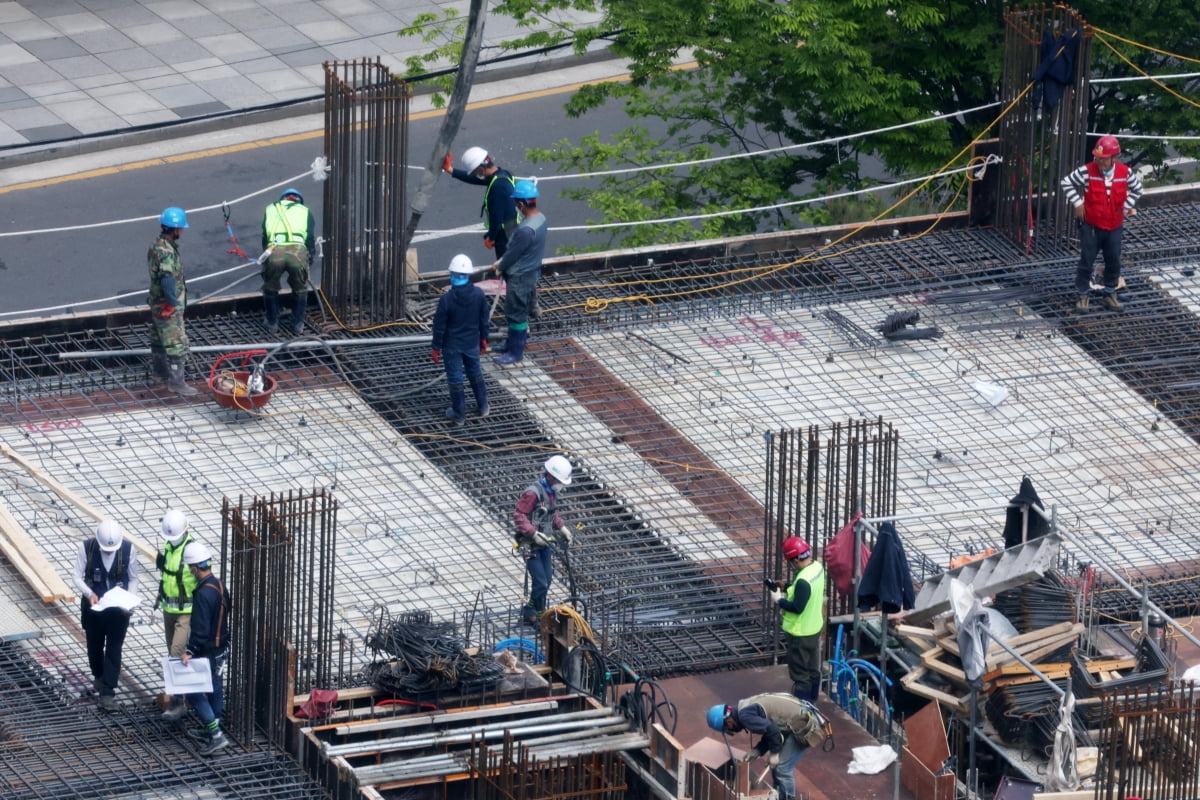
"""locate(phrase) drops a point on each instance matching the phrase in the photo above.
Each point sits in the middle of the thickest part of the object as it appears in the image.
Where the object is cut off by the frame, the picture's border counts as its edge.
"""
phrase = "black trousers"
(105, 632)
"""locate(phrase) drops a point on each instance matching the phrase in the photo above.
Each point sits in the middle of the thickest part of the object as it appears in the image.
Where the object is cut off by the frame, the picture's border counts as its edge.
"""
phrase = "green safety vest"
(812, 619)
(287, 224)
(178, 582)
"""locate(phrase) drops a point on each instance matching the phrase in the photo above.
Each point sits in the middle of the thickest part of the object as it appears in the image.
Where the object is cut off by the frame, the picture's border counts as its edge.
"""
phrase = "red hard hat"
(1107, 147)
(795, 547)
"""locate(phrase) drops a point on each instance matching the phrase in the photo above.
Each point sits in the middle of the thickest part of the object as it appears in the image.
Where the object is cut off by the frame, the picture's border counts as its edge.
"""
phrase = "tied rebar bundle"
(429, 658)
(896, 327)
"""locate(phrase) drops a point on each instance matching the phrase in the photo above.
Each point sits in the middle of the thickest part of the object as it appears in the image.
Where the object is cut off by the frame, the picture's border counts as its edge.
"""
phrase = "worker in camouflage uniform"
(290, 242)
(168, 299)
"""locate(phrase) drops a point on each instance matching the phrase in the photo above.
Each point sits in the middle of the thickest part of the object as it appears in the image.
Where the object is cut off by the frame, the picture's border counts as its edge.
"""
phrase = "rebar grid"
(424, 520)
(52, 748)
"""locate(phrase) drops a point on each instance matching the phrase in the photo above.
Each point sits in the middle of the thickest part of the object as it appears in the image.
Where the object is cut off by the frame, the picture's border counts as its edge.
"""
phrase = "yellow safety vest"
(287, 224)
(812, 619)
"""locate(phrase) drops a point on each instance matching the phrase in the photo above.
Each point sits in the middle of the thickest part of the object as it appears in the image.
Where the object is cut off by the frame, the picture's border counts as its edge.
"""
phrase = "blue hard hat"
(173, 217)
(525, 190)
(296, 192)
(716, 718)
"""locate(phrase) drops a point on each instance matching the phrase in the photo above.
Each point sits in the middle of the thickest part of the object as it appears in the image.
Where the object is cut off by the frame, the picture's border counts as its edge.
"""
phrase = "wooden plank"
(1058, 669)
(42, 477)
(911, 681)
(1015, 642)
(38, 572)
(933, 664)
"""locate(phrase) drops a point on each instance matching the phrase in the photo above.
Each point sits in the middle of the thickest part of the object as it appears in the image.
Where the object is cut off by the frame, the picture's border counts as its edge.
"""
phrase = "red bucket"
(230, 387)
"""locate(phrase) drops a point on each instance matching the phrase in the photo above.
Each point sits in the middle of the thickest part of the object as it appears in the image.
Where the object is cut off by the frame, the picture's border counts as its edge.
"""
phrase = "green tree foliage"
(771, 74)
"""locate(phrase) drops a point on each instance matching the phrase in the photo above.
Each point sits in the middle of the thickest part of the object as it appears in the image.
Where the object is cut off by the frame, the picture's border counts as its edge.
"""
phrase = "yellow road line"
(297, 137)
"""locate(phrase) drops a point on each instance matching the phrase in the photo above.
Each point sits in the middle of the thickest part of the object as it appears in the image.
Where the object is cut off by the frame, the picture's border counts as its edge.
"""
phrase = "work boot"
(457, 412)
(516, 348)
(479, 387)
(1082, 303)
(216, 743)
(158, 363)
(200, 734)
(108, 702)
(1112, 303)
(299, 304)
(271, 311)
(176, 710)
(175, 381)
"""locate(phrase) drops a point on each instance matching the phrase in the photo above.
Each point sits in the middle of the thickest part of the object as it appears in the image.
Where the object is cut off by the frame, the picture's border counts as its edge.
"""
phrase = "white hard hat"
(560, 468)
(174, 526)
(473, 158)
(196, 553)
(462, 265)
(109, 535)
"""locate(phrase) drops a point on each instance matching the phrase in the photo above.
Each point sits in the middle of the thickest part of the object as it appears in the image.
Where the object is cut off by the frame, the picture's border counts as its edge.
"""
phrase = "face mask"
(458, 279)
(1108, 172)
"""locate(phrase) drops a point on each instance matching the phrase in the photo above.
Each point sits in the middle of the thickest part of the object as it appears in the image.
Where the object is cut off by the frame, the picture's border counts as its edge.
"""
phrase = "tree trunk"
(454, 114)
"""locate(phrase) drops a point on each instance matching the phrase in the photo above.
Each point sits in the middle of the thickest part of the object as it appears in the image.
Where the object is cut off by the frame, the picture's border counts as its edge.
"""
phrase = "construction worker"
(786, 727)
(537, 523)
(175, 595)
(460, 330)
(803, 619)
(168, 299)
(498, 211)
(521, 266)
(208, 638)
(289, 243)
(1103, 192)
(105, 561)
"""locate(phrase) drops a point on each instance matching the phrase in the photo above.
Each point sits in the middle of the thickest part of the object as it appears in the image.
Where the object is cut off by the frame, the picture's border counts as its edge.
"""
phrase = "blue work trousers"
(540, 565)
(784, 772)
(518, 296)
(1093, 240)
(457, 363)
(209, 705)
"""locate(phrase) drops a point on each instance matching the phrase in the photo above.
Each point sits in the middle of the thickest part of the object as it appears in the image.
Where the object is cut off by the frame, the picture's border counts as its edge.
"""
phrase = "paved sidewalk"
(78, 68)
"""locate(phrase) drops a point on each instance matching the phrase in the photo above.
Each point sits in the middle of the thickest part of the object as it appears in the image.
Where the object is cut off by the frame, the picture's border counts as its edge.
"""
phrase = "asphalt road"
(42, 271)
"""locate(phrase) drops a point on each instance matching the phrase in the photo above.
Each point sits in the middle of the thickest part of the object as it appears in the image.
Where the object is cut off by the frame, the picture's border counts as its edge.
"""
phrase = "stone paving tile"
(14, 12)
(175, 96)
(230, 47)
(30, 29)
(178, 10)
(298, 15)
(178, 52)
(162, 81)
(27, 72)
(257, 65)
(50, 49)
(374, 24)
(200, 109)
(154, 33)
(312, 56)
(49, 133)
(9, 137)
(206, 26)
(86, 111)
(223, 7)
(128, 103)
(103, 41)
(135, 58)
(11, 97)
(256, 19)
(78, 66)
(33, 117)
(123, 15)
(78, 23)
(54, 92)
(275, 81)
(151, 117)
(233, 91)
(327, 31)
(57, 8)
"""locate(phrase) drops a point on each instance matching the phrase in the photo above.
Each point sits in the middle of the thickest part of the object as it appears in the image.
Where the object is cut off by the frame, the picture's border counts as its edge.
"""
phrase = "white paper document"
(191, 678)
(117, 597)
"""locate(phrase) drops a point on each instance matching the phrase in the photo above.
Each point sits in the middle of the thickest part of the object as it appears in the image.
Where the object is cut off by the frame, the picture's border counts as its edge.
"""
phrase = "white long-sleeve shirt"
(81, 562)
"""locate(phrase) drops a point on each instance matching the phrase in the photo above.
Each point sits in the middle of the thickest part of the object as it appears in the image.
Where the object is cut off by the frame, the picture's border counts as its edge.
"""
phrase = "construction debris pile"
(430, 658)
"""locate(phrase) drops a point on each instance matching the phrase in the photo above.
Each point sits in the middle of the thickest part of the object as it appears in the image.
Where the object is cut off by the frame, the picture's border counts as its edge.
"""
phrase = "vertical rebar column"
(366, 142)
(1041, 142)
(280, 554)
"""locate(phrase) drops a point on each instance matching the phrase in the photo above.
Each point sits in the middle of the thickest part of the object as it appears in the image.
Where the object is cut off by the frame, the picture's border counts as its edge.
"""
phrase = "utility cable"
(1157, 83)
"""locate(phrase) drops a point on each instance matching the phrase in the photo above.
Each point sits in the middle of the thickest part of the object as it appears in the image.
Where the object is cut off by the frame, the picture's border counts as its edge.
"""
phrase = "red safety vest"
(1103, 208)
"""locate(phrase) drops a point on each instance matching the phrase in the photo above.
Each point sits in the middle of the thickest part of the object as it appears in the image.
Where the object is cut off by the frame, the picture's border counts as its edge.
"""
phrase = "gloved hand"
(483, 347)
(773, 760)
(495, 268)
(565, 533)
(488, 243)
(166, 311)
(436, 355)
(448, 163)
(540, 540)
(748, 757)
(776, 596)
